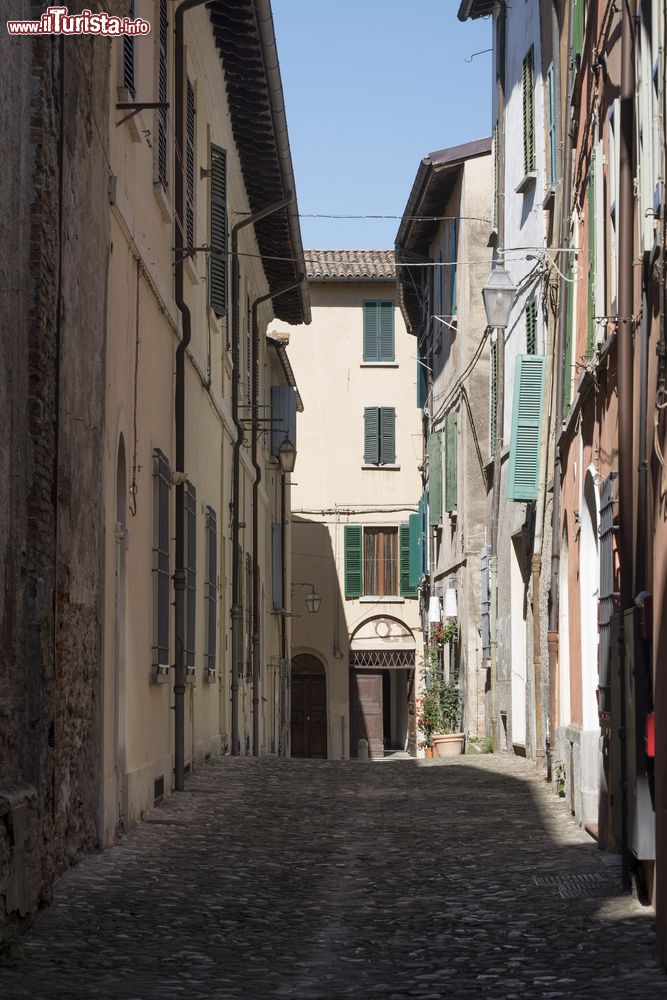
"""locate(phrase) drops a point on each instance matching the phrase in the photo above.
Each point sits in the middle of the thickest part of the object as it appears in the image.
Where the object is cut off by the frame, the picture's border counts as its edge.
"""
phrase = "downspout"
(179, 405)
(500, 398)
(256, 611)
(236, 611)
(625, 327)
(560, 349)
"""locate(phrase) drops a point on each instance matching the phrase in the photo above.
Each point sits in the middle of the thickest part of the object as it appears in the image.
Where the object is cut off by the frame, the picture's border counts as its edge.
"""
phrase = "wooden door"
(366, 715)
(309, 715)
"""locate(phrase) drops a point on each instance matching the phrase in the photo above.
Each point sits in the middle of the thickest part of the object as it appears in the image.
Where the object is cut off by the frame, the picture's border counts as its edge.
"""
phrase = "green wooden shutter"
(452, 256)
(371, 435)
(387, 435)
(577, 27)
(531, 327)
(551, 126)
(371, 331)
(528, 88)
(493, 397)
(218, 241)
(407, 589)
(435, 476)
(423, 534)
(450, 461)
(386, 331)
(354, 563)
(526, 424)
(567, 375)
(422, 389)
(414, 531)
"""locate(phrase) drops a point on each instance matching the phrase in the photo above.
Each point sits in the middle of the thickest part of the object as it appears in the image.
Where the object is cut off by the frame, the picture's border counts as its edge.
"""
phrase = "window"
(377, 561)
(435, 477)
(162, 93)
(217, 286)
(190, 168)
(248, 614)
(592, 247)
(569, 334)
(528, 87)
(379, 331)
(161, 487)
(493, 396)
(379, 435)
(531, 327)
(496, 173)
(614, 156)
(551, 127)
(190, 575)
(452, 240)
(248, 351)
(526, 426)
(210, 594)
(129, 53)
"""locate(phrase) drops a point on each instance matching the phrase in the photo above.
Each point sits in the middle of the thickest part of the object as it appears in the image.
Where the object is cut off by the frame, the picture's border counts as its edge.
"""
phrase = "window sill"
(190, 675)
(548, 200)
(382, 468)
(164, 201)
(526, 182)
(160, 674)
(210, 676)
(382, 600)
(378, 364)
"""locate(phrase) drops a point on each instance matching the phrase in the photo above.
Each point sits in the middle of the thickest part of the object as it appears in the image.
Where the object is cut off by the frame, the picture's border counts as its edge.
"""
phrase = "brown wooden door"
(309, 716)
(366, 713)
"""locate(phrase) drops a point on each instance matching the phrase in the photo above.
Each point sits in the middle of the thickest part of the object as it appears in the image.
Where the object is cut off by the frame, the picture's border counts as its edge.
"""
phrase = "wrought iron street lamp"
(313, 602)
(498, 294)
(287, 456)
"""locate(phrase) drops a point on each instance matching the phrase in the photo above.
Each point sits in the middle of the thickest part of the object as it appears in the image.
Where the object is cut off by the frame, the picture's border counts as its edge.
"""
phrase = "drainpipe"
(500, 400)
(625, 327)
(179, 406)
(560, 350)
(256, 611)
(236, 611)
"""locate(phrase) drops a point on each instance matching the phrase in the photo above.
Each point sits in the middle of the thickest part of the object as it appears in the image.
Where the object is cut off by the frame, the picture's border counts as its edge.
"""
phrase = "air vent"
(158, 790)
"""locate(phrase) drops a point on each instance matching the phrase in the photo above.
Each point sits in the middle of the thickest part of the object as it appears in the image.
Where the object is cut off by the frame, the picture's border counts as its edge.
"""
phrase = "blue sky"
(372, 86)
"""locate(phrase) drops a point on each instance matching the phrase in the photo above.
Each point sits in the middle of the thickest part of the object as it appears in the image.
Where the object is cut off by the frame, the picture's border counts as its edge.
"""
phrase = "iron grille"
(608, 595)
(396, 658)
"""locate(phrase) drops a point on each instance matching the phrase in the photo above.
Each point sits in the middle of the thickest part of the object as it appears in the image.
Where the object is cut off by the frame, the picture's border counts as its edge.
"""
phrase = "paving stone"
(326, 880)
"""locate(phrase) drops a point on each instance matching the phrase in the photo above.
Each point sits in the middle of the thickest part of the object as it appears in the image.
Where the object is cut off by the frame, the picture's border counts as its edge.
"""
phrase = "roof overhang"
(245, 38)
(432, 187)
(472, 9)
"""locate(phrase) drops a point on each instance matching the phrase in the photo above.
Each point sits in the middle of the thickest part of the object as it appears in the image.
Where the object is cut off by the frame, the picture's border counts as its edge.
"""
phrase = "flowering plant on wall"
(442, 635)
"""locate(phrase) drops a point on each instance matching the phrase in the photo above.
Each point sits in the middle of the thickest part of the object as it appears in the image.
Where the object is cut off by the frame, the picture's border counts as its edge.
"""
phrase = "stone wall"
(54, 226)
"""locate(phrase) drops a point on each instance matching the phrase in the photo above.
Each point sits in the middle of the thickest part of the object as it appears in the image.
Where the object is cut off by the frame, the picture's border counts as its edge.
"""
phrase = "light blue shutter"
(354, 564)
(387, 435)
(371, 331)
(435, 476)
(414, 533)
(371, 435)
(526, 425)
(407, 590)
(283, 416)
(386, 331)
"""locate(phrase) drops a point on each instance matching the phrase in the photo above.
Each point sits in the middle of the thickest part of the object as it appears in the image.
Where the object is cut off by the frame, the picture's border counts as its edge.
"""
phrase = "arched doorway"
(309, 707)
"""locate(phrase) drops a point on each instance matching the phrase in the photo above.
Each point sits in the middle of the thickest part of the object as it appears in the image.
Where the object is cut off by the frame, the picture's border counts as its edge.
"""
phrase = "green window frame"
(528, 91)
(378, 331)
(527, 409)
(379, 435)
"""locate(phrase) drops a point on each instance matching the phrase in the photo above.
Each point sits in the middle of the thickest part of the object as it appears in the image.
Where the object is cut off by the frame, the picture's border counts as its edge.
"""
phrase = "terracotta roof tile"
(350, 265)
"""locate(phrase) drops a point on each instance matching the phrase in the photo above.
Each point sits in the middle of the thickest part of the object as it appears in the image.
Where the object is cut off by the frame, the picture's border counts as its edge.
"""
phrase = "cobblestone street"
(313, 879)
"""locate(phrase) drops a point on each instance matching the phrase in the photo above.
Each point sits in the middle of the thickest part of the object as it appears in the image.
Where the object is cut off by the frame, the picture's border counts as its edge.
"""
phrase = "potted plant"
(439, 710)
(443, 634)
(429, 715)
(450, 742)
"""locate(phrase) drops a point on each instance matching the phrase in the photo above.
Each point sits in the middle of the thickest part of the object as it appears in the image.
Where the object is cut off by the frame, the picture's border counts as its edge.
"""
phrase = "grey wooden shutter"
(485, 597)
(528, 90)
(526, 426)
(371, 352)
(406, 589)
(129, 53)
(190, 168)
(283, 416)
(451, 474)
(277, 565)
(371, 435)
(190, 573)
(386, 331)
(387, 435)
(435, 476)
(493, 397)
(218, 240)
(353, 560)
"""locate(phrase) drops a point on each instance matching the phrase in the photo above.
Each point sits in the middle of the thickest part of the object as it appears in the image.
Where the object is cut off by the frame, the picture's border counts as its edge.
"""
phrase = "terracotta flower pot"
(428, 753)
(448, 744)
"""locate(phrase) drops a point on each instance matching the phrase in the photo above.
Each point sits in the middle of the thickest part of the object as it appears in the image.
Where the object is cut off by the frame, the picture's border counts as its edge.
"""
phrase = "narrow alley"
(327, 879)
